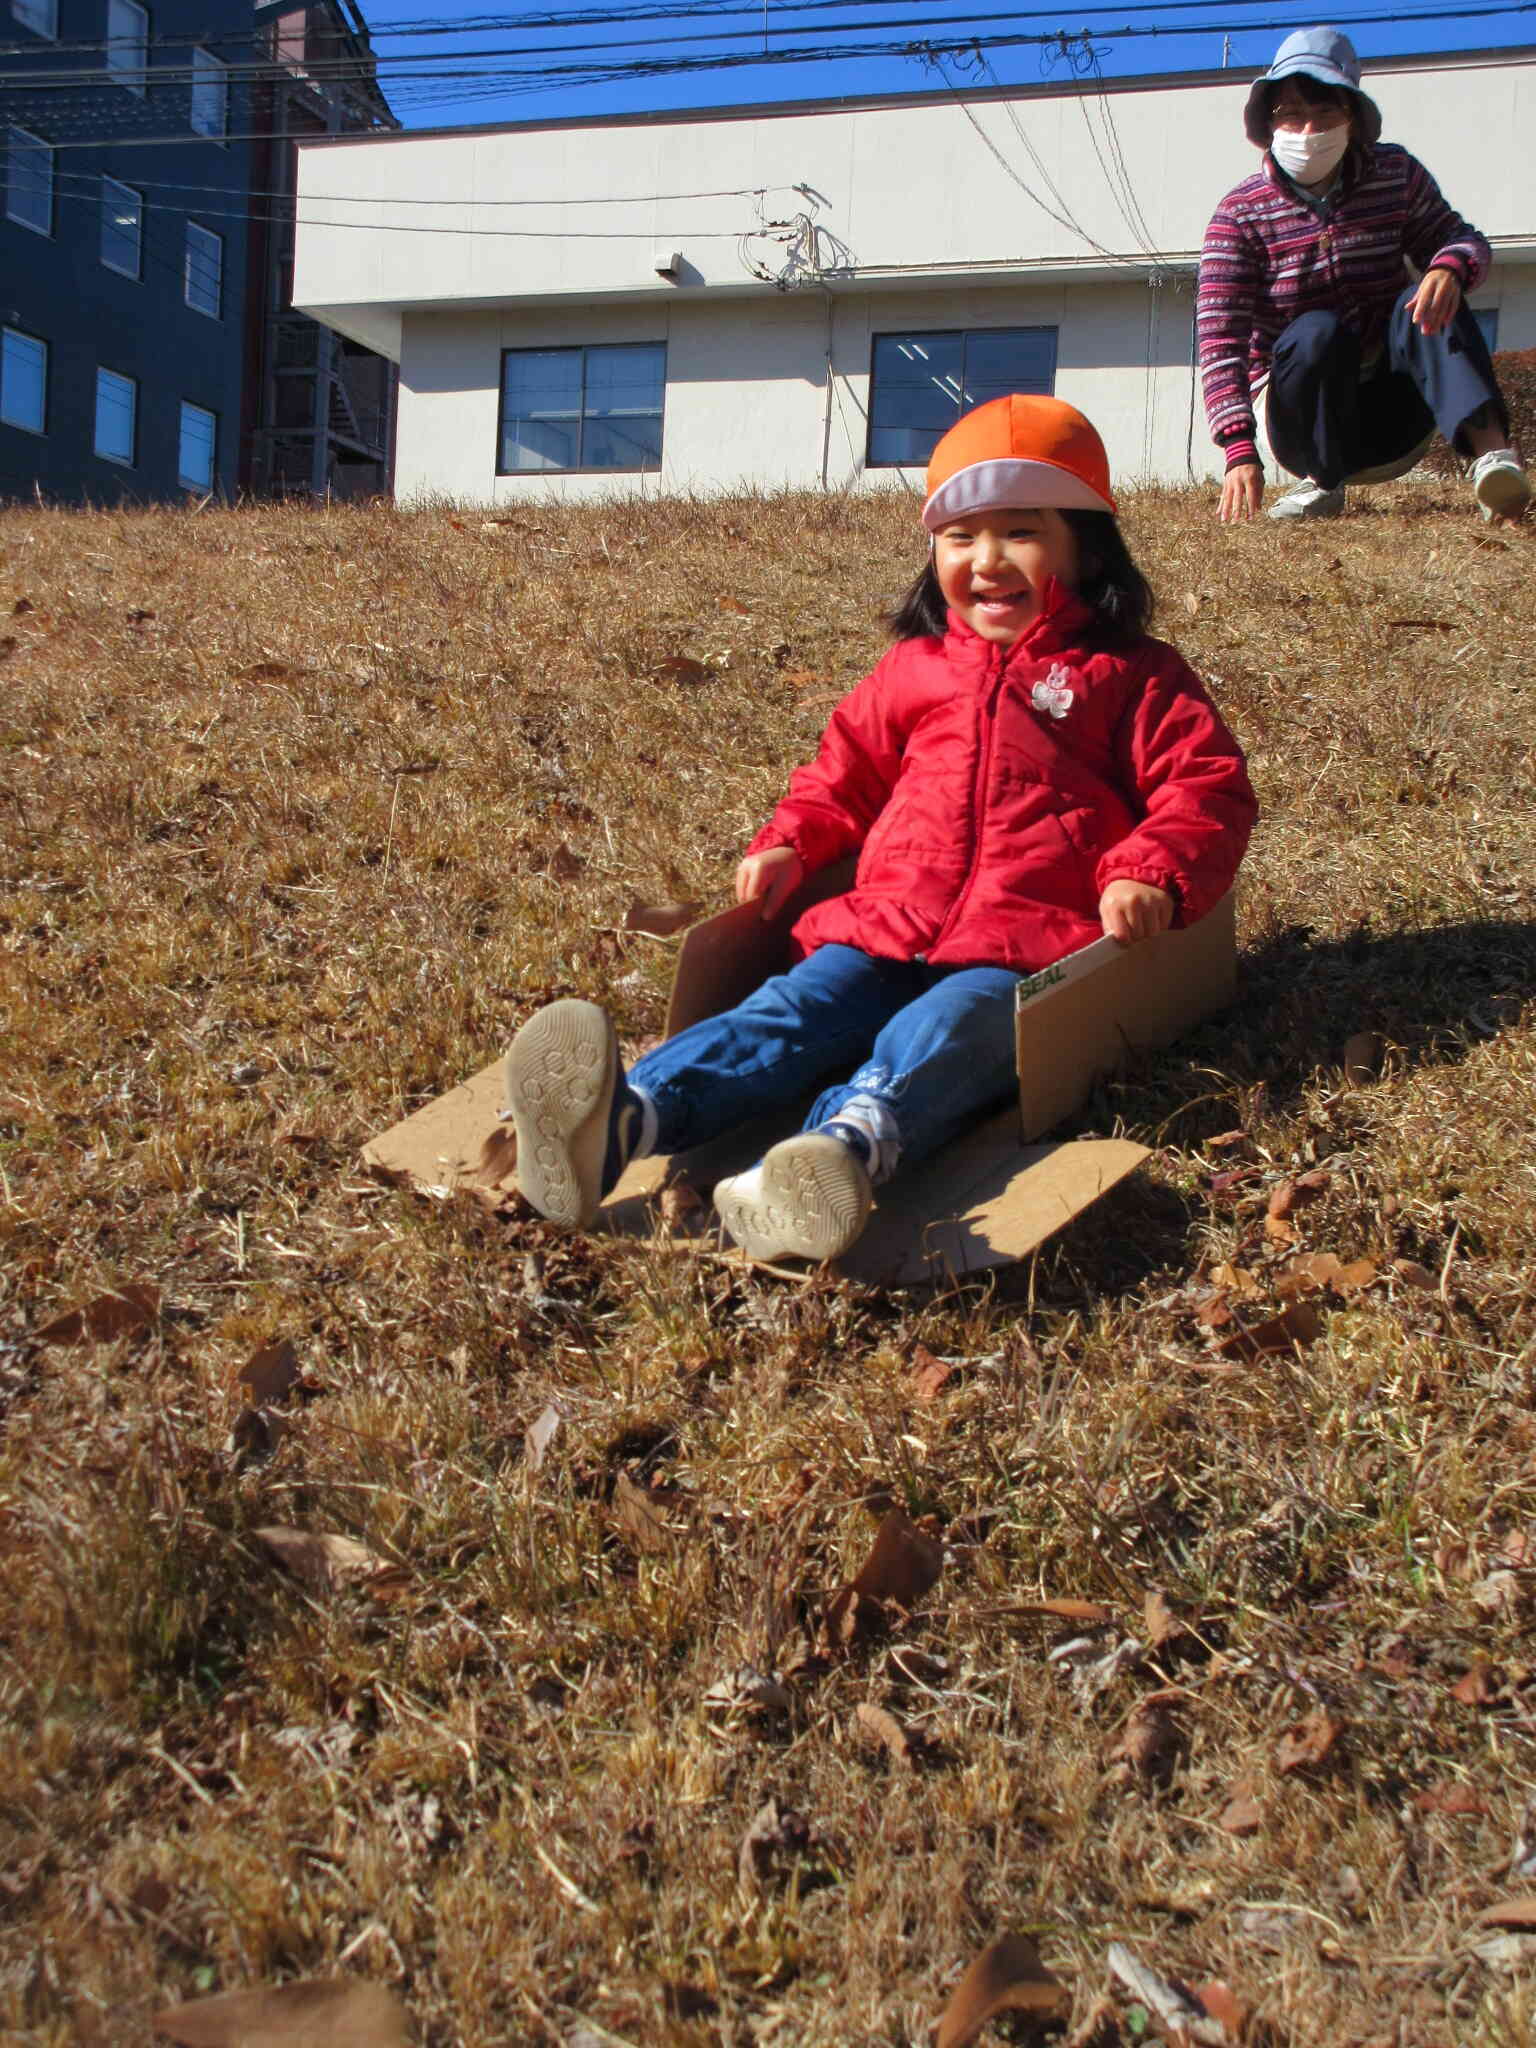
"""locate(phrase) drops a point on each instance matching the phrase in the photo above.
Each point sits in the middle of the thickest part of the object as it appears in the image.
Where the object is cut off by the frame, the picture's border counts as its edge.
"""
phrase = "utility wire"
(544, 78)
(389, 199)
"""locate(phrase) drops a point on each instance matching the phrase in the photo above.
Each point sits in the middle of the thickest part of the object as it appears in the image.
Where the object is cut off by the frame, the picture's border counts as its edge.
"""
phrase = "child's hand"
(1134, 910)
(771, 878)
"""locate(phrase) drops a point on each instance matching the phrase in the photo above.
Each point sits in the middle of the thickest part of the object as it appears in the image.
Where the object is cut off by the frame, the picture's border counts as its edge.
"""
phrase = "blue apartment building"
(125, 180)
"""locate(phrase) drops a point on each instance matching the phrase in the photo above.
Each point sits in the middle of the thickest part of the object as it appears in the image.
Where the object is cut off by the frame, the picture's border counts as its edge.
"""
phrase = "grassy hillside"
(303, 812)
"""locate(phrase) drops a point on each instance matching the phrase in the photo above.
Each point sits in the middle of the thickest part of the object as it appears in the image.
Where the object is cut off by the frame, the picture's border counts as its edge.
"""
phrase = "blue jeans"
(934, 1045)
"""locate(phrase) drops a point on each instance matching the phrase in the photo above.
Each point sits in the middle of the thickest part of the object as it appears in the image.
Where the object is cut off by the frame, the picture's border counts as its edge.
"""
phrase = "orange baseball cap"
(1021, 450)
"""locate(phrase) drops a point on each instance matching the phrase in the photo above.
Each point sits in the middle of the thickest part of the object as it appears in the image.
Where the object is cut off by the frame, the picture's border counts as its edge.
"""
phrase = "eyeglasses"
(1297, 114)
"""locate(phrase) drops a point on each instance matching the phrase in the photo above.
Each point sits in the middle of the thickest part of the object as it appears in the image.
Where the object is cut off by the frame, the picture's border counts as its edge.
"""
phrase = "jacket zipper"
(978, 792)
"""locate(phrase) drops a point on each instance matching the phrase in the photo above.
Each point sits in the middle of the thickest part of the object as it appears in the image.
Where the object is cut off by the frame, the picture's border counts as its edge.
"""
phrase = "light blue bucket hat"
(1325, 54)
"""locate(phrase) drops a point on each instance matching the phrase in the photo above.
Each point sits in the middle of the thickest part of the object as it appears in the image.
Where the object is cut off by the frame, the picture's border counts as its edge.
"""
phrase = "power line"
(549, 77)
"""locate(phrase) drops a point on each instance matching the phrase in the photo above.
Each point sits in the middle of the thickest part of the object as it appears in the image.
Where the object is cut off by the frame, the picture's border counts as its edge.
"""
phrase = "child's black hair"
(1108, 582)
(1312, 92)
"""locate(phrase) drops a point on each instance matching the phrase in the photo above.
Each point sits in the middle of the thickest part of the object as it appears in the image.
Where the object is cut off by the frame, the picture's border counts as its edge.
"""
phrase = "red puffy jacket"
(994, 792)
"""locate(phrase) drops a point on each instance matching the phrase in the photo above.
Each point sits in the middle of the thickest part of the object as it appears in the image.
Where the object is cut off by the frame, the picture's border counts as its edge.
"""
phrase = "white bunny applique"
(1055, 694)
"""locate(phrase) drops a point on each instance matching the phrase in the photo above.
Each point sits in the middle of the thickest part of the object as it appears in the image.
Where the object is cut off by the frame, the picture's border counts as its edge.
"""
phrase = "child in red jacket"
(1023, 771)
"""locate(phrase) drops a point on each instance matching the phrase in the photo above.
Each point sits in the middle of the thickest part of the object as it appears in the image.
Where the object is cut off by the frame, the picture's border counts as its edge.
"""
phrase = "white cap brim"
(1009, 481)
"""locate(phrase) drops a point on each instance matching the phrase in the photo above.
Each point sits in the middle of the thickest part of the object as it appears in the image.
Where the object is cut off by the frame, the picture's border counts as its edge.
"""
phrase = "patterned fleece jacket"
(1272, 252)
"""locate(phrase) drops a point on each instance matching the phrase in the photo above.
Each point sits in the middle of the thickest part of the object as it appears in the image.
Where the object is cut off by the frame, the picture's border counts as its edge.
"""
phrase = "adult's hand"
(769, 878)
(1435, 303)
(1242, 492)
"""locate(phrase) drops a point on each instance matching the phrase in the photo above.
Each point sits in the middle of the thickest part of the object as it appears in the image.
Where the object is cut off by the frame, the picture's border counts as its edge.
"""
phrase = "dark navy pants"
(1327, 424)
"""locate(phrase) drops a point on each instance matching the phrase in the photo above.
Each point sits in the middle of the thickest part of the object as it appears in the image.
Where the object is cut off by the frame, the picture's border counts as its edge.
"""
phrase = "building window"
(23, 380)
(128, 43)
(210, 95)
(29, 180)
(919, 384)
(117, 407)
(41, 16)
(122, 227)
(582, 408)
(199, 439)
(203, 270)
(1487, 318)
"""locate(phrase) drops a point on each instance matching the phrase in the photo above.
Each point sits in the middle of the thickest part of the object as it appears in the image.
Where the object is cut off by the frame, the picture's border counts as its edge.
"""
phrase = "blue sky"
(423, 102)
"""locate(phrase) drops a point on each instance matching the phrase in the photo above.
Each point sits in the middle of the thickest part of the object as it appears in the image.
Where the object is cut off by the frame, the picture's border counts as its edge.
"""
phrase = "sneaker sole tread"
(561, 1072)
(811, 1203)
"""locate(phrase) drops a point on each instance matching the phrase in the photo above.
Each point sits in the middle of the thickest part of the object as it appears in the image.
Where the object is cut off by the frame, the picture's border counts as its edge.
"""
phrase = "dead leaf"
(109, 1316)
(1214, 1312)
(151, 1895)
(326, 1561)
(540, 1434)
(902, 1565)
(930, 1375)
(803, 678)
(21, 607)
(1008, 1976)
(1413, 1274)
(498, 1158)
(1362, 1057)
(1237, 1280)
(1459, 1801)
(1162, 1624)
(660, 920)
(1479, 1687)
(1090, 1613)
(1300, 1324)
(637, 1512)
(879, 1729)
(1192, 603)
(1517, 1912)
(732, 604)
(777, 1840)
(565, 865)
(1224, 2006)
(682, 1206)
(255, 1434)
(1242, 1815)
(746, 1690)
(271, 1373)
(1310, 1272)
(319, 2012)
(1309, 1742)
(1424, 625)
(1151, 1742)
(681, 668)
(1279, 1230)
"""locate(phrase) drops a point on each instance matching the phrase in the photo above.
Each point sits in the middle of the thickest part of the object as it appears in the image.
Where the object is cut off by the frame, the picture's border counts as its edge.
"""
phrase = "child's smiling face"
(993, 567)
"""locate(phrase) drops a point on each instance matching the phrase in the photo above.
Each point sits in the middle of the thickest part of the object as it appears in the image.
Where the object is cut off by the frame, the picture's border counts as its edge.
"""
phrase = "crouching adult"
(1306, 304)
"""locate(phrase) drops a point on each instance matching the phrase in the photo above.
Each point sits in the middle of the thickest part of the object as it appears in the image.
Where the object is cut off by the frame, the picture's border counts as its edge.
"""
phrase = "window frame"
(21, 334)
(583, 349)
(965, 334)
(137, 273)
(31, 141)
(190, 405)
(48, 35)
(218, 75)
(131, 460)
(217, 311)
(138, 82)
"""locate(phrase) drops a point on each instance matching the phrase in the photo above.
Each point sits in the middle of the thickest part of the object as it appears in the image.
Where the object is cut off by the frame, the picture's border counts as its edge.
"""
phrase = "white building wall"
(928, 228)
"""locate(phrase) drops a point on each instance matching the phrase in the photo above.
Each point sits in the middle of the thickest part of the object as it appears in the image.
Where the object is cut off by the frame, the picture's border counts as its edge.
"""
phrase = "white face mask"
(1309, 158)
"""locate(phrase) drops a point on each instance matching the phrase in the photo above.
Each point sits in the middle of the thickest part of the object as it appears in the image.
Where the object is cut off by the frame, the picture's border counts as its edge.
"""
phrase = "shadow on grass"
(1431, 995)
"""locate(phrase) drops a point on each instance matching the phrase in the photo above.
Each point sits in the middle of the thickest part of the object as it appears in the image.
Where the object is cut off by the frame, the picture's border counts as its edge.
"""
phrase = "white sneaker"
(1499, 484)
(1309, 501)
(562, 1074)
(807, 1198)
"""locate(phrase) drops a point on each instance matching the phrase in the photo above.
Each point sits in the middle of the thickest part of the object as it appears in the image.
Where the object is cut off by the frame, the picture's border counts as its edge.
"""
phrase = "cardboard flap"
(1085, 1016)
(722, 960)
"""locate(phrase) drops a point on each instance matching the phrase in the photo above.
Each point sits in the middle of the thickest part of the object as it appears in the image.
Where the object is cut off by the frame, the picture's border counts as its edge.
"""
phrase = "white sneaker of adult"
(1309, 501)
(807, 1198)
(1500, 485)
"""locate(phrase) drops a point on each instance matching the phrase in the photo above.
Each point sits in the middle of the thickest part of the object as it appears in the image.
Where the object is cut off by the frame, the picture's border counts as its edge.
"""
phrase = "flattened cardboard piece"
(987, 1199)
(1085, 1016)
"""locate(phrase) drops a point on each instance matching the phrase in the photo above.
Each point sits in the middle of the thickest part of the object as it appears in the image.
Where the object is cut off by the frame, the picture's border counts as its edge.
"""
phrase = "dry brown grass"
(280, 794)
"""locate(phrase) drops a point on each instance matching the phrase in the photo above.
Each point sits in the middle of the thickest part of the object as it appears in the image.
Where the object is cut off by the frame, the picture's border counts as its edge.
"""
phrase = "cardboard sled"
(991, 1195)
